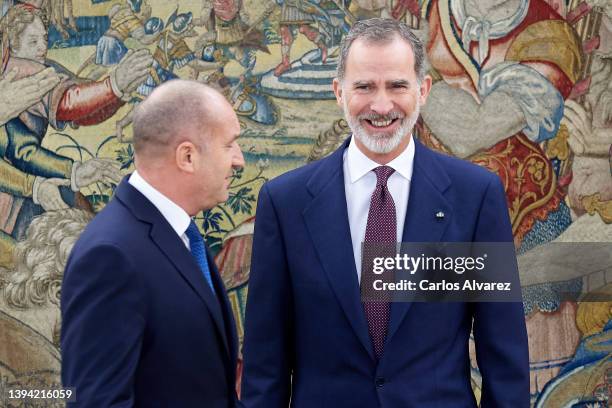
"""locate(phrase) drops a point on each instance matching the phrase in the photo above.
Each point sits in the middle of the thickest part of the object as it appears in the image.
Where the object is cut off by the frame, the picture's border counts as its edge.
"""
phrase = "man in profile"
(310, 340)
(146, 321)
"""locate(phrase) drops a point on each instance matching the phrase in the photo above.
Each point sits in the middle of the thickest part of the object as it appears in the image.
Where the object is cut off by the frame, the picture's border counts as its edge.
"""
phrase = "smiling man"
(310, 339)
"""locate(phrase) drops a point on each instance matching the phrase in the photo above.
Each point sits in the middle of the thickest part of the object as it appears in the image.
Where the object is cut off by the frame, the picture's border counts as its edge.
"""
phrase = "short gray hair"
(381, 31)
(174, 108)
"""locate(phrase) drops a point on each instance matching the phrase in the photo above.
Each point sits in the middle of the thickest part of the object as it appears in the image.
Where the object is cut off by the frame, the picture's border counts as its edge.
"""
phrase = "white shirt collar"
(359, 164)
(177, 217)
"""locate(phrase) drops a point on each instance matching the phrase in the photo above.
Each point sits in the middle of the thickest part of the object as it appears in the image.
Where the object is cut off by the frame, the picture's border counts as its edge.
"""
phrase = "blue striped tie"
(196, 244)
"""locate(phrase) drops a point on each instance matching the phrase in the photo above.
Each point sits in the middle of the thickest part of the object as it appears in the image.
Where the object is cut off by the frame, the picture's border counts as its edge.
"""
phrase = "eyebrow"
(402, 82)
(361, 83)
(395, 82)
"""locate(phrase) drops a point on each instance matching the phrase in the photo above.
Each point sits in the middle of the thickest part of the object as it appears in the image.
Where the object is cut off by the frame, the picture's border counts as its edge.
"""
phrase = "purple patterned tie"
(381, 229)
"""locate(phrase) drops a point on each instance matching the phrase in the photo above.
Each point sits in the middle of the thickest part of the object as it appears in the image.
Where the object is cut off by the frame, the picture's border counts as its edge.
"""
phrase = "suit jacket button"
(380, 381)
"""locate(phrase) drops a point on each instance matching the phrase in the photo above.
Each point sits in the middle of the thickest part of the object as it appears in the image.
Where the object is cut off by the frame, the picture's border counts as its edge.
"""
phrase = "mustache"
(377, 116)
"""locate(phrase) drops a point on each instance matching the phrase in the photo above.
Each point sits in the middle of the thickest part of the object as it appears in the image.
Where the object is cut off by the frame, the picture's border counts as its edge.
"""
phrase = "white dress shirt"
(177, 217)
(359, 184)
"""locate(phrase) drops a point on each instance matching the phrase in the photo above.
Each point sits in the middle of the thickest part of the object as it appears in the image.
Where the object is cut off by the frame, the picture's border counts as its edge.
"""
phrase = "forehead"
(390, 59)
(225, 123)
(34, 29)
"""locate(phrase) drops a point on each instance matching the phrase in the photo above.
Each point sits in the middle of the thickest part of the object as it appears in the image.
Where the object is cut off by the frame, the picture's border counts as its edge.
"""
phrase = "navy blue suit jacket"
(140, 325)
(306, 340)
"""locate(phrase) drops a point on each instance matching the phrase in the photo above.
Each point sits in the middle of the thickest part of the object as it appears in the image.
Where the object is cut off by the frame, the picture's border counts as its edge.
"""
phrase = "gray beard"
(386, 142)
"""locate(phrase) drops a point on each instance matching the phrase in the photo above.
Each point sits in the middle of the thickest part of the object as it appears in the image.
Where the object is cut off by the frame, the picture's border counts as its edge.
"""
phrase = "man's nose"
(238, 159)
(382, 103)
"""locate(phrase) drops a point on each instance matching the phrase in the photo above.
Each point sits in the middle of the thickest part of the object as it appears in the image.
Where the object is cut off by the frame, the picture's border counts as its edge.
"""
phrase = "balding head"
(185, 139)
(174, 112)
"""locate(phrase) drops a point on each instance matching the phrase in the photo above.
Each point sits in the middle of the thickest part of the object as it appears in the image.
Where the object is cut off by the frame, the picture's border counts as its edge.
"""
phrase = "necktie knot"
(382, 174)
(193, 233)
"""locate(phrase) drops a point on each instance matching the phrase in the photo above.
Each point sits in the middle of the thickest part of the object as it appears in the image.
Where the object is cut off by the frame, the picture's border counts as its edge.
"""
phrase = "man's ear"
(425, 89)
(337, 86)
(185, 156)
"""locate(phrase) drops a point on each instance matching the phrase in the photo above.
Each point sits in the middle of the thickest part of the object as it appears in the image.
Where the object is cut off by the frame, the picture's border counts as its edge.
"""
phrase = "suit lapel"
(327, 222)
(326, 219)
(177, 253)
(230, 326)
(173, 248)
(429, 181)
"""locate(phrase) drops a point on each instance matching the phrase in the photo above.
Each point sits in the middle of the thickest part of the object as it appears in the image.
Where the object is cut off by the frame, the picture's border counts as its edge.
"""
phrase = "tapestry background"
(522, 87)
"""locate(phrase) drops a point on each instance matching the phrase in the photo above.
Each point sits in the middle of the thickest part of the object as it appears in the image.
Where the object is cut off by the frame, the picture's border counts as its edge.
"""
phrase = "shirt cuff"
(114, 87)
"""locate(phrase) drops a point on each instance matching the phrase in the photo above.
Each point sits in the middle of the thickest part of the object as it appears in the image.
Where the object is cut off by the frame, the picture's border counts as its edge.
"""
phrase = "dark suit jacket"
(140, 325)
(306, 336)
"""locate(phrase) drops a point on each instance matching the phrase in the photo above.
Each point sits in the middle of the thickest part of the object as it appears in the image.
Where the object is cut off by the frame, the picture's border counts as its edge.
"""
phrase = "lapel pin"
(440, 215)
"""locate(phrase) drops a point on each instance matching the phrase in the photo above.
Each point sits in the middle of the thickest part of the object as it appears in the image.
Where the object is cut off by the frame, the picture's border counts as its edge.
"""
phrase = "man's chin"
(373, 137)
(380, 143)
(379, 137)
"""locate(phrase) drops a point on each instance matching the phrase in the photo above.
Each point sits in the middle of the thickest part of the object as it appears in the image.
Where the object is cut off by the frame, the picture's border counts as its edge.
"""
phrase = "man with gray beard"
(310, 339)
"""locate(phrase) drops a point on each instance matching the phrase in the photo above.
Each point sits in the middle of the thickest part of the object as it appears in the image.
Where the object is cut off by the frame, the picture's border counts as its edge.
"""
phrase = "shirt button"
(380, 381)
